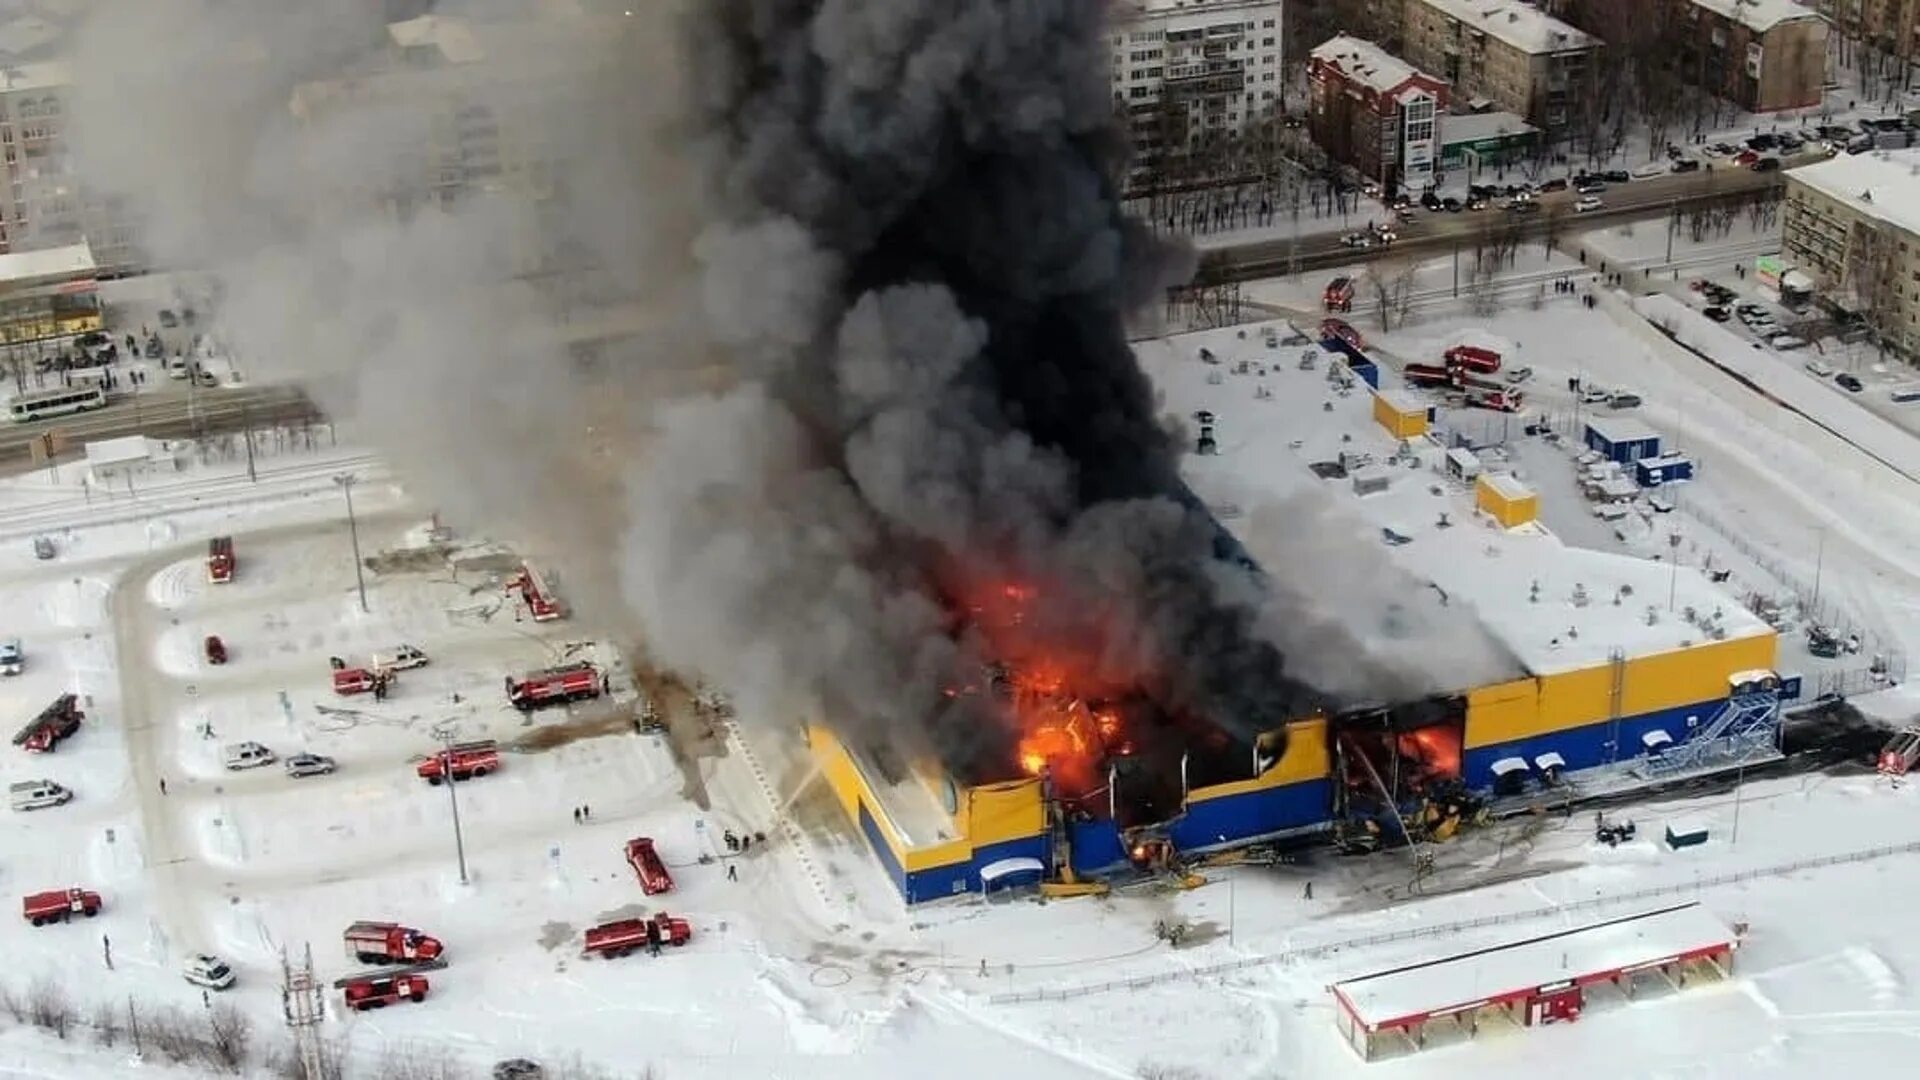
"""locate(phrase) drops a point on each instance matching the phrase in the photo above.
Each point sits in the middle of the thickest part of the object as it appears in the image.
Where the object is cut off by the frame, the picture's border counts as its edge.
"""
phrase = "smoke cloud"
(877, 271)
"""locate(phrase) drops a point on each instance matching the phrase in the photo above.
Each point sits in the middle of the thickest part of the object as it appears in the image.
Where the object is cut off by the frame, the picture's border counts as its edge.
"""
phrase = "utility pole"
(346, 482)
(300, 997)
(246, 432)
(1819, 563)
(446, 772)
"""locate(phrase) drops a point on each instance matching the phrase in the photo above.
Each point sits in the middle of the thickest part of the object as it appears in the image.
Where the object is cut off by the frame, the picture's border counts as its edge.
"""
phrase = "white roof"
(1883, 184)
(1761, 15)
(1485, 572)
(1509, 765)
(1364, 62)
(907, 804)
(1517, 23)
(120, 451)
(1550, 760)
(1473, 127)
(1507, 485)
(74, 259)
(1460, 982)
(1619, 429)
(1402, 402)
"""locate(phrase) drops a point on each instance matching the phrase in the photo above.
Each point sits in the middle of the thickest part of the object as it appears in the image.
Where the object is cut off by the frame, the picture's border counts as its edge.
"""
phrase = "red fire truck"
(352, 680)
(1426, 375)
(385, 942)
(466, 760)
(623, 936)
(220, 562)
(646, 863)
(1497, 400)
(541, 602)
(54, 723)
(1338, 295)
(1482, 361)
(554, 686)
(59, 905)
(1338, 328)
(378, 990)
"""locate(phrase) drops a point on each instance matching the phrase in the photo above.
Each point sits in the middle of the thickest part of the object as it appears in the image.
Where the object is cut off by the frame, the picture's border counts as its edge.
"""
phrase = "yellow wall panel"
(926, 858)
(837, 768)
(1503, 711)
(1570, 699)
(1685, 676)
(1305, 758)
(997, 812)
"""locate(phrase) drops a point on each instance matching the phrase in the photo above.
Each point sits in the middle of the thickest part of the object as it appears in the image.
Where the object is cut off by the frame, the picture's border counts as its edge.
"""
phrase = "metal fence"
(1228, 967)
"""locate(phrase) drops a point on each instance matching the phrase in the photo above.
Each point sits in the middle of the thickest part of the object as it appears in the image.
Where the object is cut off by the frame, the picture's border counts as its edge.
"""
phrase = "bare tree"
(1391, 282)
(229, 1036)
(105, 1022)
(49, 1007)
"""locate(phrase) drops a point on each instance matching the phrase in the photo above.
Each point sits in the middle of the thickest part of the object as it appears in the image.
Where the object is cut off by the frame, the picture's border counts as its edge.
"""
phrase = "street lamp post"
(453, 800)
(1819, 563)
(346, 482)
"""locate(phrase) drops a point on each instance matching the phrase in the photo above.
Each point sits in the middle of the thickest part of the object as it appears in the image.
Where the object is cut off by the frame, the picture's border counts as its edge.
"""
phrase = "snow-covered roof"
(1883, 184)
(452, 37)
(1475, 127)
(44, 75)
(1458, 983)
(1506, 485)
(29, 266)
(121, 451)
(1761, 15)
(1365, 63)
(1269, 447)
(1619, 429)
(1517, 23)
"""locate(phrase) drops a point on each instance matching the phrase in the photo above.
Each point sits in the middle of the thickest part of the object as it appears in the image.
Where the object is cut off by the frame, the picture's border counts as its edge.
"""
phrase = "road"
(170, 414)
(1428, 233)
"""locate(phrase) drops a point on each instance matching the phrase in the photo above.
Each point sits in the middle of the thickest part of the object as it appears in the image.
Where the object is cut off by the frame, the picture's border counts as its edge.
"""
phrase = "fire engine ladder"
(390, 971)
(1747, 726)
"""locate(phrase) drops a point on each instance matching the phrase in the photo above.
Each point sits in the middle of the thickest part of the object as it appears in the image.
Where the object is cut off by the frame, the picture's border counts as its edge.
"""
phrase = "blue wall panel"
(881, 851)
(1254, 814)
(1589, 745)
(1096, 846)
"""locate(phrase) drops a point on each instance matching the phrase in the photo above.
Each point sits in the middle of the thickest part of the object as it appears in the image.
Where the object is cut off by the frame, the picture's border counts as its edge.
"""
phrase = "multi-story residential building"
(1852, 224)
(1762, 55)
(1892, 25)
(42, 204)
(1190, 77)
(1375, 112)
(1506, 54)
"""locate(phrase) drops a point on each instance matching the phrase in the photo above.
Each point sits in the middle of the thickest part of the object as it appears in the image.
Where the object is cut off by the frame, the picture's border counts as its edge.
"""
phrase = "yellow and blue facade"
(1590, 716)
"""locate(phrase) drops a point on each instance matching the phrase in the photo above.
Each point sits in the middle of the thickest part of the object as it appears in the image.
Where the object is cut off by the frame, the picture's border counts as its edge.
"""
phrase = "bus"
(41, 404)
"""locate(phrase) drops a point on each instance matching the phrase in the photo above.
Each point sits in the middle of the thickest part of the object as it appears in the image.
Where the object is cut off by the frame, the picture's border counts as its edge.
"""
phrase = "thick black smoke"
(969, 371)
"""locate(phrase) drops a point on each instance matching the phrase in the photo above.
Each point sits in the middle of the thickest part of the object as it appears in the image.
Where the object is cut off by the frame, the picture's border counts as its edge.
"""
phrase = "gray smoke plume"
(881, 272)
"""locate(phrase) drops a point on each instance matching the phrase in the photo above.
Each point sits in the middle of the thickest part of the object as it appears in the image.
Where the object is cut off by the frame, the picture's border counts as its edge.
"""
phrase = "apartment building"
(1375, 112)
(1504, 54)
(1852, 224)
(1762, 55)
(1892, 25)
(42, 204)
(1189, 76)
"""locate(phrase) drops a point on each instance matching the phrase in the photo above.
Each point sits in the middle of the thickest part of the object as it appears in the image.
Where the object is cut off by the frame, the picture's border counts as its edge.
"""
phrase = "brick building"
(1852, 224)
(1891, 25)
(1762, 55)
(1375, 112)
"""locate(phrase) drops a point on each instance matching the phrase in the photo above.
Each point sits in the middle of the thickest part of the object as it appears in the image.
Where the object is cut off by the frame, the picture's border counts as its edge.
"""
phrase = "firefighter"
(733, 872)
(732, 841)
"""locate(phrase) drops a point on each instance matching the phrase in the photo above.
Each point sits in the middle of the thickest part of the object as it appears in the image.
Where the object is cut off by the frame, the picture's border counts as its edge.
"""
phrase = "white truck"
(37, 794)
(12, 660)
(399, 658)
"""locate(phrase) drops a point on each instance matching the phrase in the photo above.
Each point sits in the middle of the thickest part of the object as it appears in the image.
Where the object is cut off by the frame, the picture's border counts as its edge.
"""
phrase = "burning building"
(1527, 668)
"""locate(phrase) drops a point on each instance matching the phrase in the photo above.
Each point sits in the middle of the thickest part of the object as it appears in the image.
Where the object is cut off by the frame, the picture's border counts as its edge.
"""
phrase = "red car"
(216, 650)
(1746, 158)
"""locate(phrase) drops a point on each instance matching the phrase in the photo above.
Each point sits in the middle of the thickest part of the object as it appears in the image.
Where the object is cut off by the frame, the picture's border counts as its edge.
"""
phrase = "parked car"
(1817, 369)
(1786, 342)
(1519, 374)
(1717, 314)
(168, 319)
(1451, 205)
(203, 377)
(400, 658)
(1555, 184)
(42, 547)
(1588, 203)
(309, 765)
(1650, 170)
(37, 794)
(216, 649)
(1624, 401)
(1589, 186)
(1849, 382)
(1430, 201)
(1616, 176)
(1357, 240)
(207, 971)
(246, 755)
(1686, 164)
(1523, 206)
(12, 660)
(1767, 164)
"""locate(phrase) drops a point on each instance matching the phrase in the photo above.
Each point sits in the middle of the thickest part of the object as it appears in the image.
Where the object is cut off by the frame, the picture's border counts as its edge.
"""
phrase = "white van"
(37, 794)
(177, 367)
(400, 658)
(247, 755)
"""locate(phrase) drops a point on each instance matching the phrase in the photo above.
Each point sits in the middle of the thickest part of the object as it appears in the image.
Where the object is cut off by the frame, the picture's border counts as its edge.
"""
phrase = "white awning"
(1508, 765)
(1654, 738)
(1549, 761)
(1000, 868)
(1797, 281)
